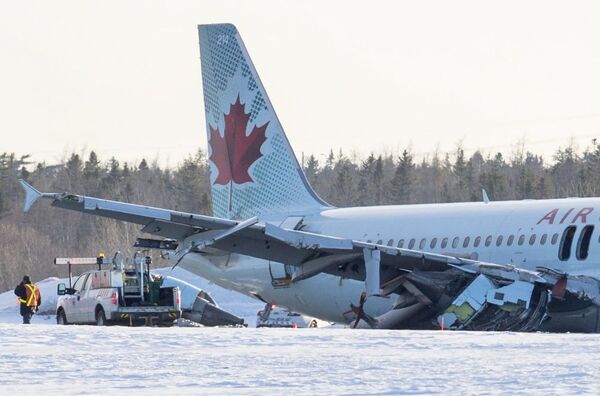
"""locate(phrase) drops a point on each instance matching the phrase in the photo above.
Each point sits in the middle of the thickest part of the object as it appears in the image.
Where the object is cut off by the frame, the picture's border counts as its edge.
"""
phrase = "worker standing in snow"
(29, 297)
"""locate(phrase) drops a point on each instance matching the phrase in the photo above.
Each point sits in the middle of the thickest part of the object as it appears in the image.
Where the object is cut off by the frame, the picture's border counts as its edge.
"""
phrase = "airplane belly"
(229, 271)
(323, 296)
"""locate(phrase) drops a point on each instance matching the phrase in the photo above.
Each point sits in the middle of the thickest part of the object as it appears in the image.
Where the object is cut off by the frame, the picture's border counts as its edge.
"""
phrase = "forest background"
(29, 242)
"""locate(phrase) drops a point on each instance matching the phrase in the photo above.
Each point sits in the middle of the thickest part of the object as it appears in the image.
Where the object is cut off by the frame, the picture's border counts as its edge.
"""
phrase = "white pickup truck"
(117, 296)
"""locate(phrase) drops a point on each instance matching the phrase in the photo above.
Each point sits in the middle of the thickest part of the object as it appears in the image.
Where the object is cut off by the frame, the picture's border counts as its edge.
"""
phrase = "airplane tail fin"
(253, 169)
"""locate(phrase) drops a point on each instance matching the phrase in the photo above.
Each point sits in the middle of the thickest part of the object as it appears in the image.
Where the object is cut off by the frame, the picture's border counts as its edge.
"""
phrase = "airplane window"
(455, 242)
(543, 239)
(488, 240)
(477, 241)
(583, 245)
(564, 251)
(391, 242)
(466, 242)
(521, 239)
(411, 244)
(554, 239)
(499, 240)
(400, 243)
(444, 243)
(433, 243)
(380, 242)
(369, 241)
(532, 239)
(422, 243)
(510, 240)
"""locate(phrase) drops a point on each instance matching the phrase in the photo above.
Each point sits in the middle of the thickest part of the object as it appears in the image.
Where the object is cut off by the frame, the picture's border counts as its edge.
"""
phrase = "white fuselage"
(527, 234)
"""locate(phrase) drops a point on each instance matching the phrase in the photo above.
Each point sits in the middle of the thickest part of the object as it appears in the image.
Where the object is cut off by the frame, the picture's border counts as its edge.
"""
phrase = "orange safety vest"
(33, 295)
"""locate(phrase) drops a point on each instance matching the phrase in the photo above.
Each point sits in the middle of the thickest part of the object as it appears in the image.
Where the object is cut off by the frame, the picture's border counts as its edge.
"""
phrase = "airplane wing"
(156, 221)
(312, 253)
(458, 291)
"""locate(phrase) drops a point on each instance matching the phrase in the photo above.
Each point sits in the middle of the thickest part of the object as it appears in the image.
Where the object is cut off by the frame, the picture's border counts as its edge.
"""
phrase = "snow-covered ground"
(50, 359)
(113, 360)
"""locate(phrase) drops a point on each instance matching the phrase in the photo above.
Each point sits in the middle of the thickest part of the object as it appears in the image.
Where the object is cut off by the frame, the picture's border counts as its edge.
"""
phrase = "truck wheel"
(100, 317)
(61, 318)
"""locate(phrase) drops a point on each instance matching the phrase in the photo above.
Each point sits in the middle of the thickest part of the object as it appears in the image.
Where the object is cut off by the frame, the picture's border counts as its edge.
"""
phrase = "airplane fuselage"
(560, 234)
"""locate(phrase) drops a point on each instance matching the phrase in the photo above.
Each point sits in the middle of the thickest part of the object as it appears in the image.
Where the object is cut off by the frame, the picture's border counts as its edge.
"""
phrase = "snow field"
(50, 359)
(111, 360)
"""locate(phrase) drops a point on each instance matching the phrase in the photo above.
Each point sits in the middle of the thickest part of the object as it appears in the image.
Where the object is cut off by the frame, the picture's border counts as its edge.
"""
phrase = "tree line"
(29, 242)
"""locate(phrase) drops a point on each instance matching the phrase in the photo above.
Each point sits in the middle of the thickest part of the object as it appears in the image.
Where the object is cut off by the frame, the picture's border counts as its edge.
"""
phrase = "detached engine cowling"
(199, 307)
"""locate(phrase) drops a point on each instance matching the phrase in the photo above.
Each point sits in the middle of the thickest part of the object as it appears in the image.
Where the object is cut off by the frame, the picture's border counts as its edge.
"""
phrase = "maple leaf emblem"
(235, 152)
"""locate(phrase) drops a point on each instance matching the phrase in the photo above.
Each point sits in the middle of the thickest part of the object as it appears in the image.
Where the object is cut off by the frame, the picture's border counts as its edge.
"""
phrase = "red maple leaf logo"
(234, 153)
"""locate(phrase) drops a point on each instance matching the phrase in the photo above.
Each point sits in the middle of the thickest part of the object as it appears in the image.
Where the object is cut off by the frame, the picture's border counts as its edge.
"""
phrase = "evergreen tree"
(91, 169)
(402, 182)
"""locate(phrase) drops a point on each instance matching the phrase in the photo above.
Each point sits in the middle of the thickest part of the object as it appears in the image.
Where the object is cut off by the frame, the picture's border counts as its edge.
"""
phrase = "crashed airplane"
(515, 265)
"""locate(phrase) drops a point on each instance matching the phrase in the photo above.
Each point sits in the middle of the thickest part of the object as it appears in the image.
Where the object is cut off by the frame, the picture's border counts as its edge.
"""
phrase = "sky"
(123, 77)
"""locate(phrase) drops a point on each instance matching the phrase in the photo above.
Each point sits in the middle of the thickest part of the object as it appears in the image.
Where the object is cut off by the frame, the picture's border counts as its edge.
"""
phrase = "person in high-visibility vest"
(29, 298)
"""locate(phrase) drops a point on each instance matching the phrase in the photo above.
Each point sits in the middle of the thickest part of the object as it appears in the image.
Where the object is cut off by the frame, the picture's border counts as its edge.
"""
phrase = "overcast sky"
(123, 77)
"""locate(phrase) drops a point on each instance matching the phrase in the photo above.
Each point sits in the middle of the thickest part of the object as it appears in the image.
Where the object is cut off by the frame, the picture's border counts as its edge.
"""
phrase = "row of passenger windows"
(456, 242)
(466, 242)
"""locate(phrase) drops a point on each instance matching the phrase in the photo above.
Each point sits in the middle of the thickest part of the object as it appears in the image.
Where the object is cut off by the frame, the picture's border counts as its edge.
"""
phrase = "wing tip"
(31, 195)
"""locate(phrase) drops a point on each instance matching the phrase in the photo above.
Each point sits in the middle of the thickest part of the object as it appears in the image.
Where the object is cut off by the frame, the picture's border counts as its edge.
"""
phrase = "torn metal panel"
(504, 271)
(468, 303)
(482, 305)
(581, 286)
(518, 293)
